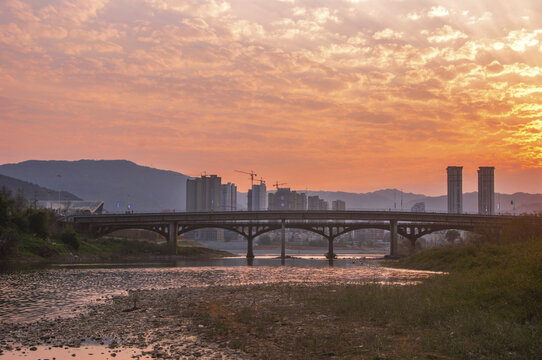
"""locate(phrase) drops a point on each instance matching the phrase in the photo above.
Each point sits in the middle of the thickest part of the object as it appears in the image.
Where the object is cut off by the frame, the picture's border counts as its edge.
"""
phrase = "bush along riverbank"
(487, 306)
(29, 235)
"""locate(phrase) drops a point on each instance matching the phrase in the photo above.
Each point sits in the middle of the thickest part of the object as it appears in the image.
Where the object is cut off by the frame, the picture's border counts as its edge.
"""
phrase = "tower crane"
(261, 180)
(276, 185)
(251, 173)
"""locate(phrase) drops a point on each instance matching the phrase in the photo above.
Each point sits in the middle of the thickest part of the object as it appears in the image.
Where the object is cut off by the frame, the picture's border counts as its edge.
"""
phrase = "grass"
(487, 306)
(33, 248)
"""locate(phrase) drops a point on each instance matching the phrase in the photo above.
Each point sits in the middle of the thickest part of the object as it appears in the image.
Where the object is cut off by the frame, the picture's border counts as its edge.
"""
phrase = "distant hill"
(151, 190)
(141, 187)
(391, 199)
(33, 192)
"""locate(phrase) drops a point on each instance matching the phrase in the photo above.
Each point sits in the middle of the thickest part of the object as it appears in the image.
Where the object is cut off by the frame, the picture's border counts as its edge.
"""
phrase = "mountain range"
(143, 188)
(147, 189)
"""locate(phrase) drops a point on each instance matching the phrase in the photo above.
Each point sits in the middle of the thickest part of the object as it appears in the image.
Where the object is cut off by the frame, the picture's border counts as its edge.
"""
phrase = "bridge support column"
(172, 238)
(393, 238)
(283, 240)
(250, 251)
(412, 245)
(330, 255)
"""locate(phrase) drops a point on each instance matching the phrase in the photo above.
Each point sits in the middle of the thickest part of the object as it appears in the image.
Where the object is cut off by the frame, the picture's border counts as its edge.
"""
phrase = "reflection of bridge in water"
(250, 224)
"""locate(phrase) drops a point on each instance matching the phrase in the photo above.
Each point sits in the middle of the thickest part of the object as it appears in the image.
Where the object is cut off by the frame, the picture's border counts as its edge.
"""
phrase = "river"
(66, 290)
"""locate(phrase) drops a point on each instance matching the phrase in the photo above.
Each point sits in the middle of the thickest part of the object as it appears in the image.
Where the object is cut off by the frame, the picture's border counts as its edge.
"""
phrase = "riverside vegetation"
(488, 305)
(30, 235)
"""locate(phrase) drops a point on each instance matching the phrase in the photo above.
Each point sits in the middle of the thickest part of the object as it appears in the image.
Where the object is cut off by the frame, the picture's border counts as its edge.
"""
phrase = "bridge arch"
(101, 231)
(250, 224)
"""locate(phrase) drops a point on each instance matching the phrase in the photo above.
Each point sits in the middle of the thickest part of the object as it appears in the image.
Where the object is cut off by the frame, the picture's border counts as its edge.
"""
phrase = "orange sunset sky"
(355, 95)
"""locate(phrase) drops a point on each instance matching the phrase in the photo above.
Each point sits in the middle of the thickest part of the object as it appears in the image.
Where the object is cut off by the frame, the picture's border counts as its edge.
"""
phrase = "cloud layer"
(352, 95)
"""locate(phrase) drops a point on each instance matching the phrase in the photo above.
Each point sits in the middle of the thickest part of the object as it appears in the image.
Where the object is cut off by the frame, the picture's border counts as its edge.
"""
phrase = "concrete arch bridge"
(250, 224)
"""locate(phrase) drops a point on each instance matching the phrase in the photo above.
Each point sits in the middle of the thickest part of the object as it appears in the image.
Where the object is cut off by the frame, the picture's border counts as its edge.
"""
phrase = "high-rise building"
(315, 203)
(204, 193)
(208, 194)
(257, 198)
(338, 205)
(455, 189)
(229, 197)
(486, 190)
(285, 199)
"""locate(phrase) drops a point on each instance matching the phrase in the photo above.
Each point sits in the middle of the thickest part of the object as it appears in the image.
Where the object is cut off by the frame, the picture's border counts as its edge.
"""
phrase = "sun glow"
(320, 95)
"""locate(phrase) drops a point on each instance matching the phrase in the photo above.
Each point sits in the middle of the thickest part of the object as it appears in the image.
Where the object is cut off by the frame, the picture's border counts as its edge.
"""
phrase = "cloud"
(521, 40)
(438, 12)
(275, 78)
(75, 12)
(387, 34)
(18, 10)
(445, 34)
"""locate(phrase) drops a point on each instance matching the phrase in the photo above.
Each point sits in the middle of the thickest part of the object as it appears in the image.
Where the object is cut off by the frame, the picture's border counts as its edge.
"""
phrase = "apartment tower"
(486, 190)
(455, 189)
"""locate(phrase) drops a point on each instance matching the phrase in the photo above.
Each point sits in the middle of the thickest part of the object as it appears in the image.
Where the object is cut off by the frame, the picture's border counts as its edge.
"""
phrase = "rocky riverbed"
(234, 313)
(155, 322)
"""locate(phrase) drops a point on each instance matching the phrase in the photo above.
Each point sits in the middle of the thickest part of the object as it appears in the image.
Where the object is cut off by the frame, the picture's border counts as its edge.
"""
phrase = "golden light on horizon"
(337, 95)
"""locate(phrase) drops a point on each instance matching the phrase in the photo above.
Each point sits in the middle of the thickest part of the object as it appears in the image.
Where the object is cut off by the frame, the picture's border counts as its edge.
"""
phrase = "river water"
(61, 291)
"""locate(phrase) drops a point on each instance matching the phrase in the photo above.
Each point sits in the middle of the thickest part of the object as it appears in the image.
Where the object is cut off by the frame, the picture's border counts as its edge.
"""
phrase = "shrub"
(69, 237)
(39, 222)
(22, 223)
(8, 242)
(5, 203)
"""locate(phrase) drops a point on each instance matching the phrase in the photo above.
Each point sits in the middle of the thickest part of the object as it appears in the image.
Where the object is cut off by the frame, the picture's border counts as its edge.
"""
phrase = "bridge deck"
(292, 215)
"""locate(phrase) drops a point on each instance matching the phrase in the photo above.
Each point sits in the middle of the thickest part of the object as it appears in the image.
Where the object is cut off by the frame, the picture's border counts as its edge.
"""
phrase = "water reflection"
(66, 290)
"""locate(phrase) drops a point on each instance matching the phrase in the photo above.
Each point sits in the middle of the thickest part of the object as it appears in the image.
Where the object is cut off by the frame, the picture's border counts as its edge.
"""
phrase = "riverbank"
(162, 312)
(486, 307)
(35, 251)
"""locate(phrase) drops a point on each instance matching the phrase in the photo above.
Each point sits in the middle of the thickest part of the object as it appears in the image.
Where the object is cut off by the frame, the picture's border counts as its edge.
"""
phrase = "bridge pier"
(172, 238)
(250, 250)
(393, 238)
(412, 245)
(283, 240)
(330, 254)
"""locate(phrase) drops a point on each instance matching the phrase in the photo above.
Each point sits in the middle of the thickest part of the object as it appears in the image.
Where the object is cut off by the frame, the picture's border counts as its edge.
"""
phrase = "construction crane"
(251, 173)
(277, 185)
(202, 174)
(261, 180)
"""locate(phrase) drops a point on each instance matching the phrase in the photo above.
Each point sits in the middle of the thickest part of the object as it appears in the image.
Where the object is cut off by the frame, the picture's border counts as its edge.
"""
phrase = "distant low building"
(418, 207)
(370, 235)
(338, 205)
(73, 207)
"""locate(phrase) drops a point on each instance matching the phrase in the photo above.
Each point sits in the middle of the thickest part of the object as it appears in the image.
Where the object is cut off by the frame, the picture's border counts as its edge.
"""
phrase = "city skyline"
(356, 95)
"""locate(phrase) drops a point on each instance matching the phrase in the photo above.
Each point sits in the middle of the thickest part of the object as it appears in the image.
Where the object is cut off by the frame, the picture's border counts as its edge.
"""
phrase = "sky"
(353, 95)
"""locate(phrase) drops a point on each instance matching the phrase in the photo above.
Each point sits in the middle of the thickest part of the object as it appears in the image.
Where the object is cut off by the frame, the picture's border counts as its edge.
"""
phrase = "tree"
(69, 237)
(5, 204)
(452, 235)
(39, 222)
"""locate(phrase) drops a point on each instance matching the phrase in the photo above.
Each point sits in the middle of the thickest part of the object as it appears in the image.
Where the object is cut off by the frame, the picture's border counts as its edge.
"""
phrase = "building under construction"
(286, 199)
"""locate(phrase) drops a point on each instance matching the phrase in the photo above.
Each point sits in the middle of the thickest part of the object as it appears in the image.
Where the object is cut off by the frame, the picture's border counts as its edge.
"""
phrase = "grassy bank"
(32, 249)
(488, 306)
(30, 235)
